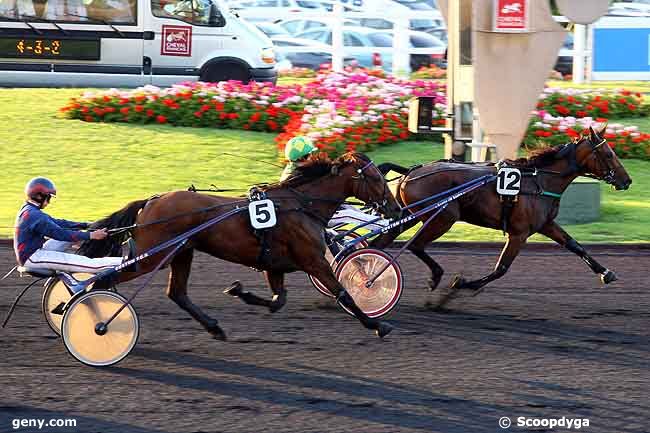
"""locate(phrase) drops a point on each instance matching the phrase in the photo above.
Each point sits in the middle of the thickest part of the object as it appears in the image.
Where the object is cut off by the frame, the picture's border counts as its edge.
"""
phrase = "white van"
(128, 43)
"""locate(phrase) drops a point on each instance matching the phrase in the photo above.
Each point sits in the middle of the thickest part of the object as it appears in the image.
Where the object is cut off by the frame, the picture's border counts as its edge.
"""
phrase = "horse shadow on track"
(375, 401)
(542, 336)
(84, 424)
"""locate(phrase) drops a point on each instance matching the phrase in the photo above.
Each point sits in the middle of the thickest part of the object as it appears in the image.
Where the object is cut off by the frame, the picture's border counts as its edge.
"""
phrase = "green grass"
(634, 86)
(100, 167)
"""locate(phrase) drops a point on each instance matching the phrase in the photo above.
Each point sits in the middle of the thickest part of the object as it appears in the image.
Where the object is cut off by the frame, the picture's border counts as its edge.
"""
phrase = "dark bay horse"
(304, 203)
(545, 177)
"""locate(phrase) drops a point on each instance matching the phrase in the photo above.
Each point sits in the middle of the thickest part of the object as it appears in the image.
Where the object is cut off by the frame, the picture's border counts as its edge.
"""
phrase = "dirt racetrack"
(546, 341)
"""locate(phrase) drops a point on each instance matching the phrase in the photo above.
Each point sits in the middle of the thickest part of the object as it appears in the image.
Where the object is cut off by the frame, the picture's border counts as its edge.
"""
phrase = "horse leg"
(433, 231)
(180, 267)
(320, 269)
(510, 251)
(274, 280)
(553, 231)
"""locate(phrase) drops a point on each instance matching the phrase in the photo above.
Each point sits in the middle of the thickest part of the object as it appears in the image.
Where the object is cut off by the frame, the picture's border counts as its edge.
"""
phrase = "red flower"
(124, 110)
(632, 107)
(161, 119)
(139, 108)
(88, 118)
(198, 114)
(84, 109)
(581, 113)
(150, 112)
(205, 108)
(107, 99)
(109, 110)
(219, 106)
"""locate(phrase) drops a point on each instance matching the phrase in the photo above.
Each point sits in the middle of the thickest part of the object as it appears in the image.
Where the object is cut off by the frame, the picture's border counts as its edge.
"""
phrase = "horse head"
(597, 158)
(364, 181)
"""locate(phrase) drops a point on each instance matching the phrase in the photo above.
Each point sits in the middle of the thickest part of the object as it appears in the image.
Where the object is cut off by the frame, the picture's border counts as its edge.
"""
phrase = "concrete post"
(401, 45)
(579, 45)
(337, 38)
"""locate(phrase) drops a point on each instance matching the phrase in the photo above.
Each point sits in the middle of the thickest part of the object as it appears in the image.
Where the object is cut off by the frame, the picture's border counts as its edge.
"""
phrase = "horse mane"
(316, 166)
(539, 158)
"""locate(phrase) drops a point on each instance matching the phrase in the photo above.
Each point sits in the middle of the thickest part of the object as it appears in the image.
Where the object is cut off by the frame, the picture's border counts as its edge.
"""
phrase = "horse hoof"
(217, 333)
(608, 276)
(235, 289)
(383, 329)
(433, 282)
(457, 283)
(274, 307)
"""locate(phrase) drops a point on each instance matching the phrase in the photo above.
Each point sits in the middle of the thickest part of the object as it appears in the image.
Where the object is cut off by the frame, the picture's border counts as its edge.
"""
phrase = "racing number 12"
(509, 181)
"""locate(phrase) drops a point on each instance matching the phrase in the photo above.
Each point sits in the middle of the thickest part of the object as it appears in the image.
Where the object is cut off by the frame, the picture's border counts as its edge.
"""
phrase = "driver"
(33, 226)
(297, 152)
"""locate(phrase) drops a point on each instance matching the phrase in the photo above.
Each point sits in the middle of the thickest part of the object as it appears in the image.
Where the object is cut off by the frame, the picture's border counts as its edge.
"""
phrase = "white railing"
(401, 49)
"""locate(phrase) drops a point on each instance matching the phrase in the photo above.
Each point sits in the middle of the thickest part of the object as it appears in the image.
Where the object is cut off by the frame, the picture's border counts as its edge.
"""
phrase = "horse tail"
(389, 166)
(111, 245)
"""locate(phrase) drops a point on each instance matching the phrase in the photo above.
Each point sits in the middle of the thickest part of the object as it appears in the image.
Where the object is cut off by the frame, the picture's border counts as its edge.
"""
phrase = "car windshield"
(308, 4)
(416, 5)
(191, 11)
(380, 39)
(425, 41)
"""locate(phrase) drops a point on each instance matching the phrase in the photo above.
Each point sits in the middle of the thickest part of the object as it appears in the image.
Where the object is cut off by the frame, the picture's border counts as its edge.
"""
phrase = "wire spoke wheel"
(55, 294)
(100, 349)
(330, 259)
(358, 268)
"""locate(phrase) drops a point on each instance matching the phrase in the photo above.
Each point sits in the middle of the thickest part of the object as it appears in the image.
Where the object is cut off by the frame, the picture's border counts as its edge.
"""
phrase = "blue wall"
(621, 50)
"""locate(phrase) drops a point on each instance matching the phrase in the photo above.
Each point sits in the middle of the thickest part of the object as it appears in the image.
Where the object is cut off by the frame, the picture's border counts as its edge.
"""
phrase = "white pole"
(337, 37)
(579, 42)
(401, 47)
(590, 52)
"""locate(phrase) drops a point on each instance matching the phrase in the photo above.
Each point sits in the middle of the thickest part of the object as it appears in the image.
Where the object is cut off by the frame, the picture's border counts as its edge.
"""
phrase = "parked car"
(438, 32)
(313, 59)
(368, 37)
(564, 63)
(271, 10)
(296, 26)
(387, 7)
(272, 30)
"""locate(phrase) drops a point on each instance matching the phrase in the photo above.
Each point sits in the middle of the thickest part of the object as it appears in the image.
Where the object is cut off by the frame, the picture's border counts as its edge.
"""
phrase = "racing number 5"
(262, 214)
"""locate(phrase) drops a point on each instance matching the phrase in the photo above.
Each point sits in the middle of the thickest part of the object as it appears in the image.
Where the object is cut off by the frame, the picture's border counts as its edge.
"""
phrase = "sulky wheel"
(84, 337)
(354, 271)
(330, 259)
(55, 296)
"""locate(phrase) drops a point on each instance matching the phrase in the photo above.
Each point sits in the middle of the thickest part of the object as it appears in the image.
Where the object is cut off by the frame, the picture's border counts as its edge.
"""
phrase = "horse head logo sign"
(512, 8)
(176, 41)
(511, 15)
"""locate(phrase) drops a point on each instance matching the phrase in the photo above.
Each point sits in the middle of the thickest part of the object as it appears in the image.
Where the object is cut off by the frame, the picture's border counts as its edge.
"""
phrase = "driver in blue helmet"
(33, 226)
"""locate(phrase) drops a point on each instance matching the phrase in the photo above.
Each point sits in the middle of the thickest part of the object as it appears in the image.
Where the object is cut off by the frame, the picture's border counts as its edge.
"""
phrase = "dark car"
(564, 63)
(312, 60)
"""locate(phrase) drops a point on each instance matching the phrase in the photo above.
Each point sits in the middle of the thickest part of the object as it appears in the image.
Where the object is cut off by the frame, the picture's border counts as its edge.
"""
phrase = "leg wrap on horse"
(576, 248)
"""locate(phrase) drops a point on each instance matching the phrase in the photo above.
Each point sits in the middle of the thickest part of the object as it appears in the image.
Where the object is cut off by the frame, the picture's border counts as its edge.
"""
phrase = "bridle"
(610, 171)
(364, 181)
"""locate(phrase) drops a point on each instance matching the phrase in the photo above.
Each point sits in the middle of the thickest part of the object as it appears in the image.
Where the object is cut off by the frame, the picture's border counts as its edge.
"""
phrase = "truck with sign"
(128, 43)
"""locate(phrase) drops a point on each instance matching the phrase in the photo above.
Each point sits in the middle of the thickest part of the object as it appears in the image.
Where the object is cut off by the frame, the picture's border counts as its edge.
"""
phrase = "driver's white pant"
(348, 214)
(51, 256)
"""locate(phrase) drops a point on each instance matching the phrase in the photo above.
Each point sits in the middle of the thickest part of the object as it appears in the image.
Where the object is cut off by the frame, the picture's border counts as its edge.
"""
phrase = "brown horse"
(545, 176)
(304, 203)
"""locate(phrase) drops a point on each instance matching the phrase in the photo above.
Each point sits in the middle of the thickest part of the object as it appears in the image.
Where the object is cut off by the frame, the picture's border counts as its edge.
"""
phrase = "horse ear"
(603, 129)
(593, 135)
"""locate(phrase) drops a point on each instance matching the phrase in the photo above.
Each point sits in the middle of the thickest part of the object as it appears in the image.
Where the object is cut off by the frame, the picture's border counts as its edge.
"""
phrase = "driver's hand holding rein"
(33, 226)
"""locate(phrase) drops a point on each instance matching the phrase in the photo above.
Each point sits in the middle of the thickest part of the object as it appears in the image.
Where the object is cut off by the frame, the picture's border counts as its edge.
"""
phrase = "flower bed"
(590, 103)
(548, 130)
(353, 110)
(431, 72)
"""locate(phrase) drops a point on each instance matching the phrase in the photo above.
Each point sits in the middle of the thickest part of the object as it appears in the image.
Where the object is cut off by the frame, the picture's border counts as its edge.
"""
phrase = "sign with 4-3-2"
(262, 214)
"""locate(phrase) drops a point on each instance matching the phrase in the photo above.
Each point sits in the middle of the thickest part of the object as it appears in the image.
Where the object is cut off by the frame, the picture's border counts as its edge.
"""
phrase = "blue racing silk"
(33, 226)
